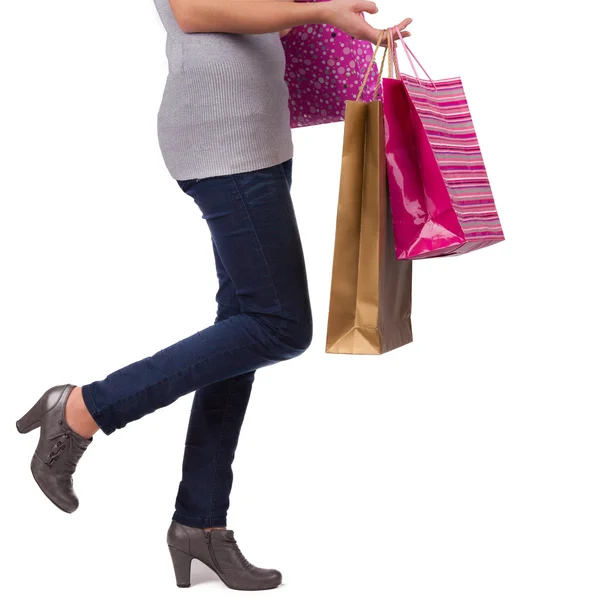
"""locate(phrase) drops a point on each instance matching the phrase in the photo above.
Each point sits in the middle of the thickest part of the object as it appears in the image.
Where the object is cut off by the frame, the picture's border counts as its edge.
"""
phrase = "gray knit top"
(224, 109)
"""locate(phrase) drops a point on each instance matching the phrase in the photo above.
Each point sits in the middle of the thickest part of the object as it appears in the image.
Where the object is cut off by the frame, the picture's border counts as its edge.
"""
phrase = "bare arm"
(266, 16)
(243, 16)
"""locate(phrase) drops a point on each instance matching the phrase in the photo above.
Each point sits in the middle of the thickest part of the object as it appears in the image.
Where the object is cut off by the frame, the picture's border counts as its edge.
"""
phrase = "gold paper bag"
(371, 292)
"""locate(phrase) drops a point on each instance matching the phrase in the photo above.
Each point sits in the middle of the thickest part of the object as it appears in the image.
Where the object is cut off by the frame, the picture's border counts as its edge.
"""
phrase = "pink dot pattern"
(325, 67)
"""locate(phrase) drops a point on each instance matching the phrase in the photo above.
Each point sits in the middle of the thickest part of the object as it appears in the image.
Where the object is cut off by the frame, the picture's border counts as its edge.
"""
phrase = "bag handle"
(409, 54)
(393, 63)
(372, 62)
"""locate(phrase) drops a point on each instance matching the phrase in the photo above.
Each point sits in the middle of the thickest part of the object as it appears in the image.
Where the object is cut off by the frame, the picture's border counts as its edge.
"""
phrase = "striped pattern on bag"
(447, 121)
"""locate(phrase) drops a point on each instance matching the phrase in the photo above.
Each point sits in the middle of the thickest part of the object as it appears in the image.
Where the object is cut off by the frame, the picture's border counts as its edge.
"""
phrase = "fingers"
(373, 35)
(404, 23)
(368, 7)
(402, 28)
(377, 32)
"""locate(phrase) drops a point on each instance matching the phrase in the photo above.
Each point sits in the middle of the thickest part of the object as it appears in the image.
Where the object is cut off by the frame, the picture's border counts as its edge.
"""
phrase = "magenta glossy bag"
(325, 67)
(441, 199)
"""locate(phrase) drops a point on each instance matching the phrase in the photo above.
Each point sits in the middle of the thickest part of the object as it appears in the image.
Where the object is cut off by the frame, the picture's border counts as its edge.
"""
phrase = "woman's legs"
(253, 226)
(215, 421)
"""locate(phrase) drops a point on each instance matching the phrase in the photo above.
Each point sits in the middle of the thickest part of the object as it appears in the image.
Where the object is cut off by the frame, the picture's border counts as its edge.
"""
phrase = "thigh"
(226, 297)
(254, 230)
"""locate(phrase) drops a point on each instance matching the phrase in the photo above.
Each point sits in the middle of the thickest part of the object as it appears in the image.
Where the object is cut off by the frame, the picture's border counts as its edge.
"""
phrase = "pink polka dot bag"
(325, 67)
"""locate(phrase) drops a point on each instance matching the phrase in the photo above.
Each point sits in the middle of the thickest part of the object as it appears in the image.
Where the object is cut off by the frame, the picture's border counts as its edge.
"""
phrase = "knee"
(295, 336)
(301, 338)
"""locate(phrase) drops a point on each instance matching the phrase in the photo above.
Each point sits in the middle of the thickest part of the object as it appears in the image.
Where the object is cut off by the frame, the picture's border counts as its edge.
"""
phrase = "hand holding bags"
(441, 200)
(371, 292)
(325, 67)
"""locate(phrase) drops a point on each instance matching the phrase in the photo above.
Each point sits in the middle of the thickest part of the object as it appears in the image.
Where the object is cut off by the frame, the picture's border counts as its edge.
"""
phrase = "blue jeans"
(263, 317)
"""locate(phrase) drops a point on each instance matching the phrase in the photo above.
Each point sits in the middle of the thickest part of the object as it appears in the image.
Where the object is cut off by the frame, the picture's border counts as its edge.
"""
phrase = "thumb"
(368, 7)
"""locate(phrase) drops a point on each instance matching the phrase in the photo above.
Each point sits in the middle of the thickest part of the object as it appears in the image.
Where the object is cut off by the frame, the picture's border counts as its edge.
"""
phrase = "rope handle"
(372, 62)
(393, 63)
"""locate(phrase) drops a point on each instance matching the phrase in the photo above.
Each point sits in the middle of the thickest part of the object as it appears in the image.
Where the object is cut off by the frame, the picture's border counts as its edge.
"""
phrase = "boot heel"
(31, 420)
(182, 566)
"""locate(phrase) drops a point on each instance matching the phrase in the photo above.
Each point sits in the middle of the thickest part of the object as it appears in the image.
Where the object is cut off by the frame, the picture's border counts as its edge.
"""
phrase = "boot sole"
(219, 576)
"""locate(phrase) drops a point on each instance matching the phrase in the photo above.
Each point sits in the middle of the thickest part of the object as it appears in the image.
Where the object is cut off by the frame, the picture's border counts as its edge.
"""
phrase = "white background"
(461, 466)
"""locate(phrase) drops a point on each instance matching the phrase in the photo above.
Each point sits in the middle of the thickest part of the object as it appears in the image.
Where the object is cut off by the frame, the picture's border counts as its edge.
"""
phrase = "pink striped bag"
(325, 67)
(441, 200)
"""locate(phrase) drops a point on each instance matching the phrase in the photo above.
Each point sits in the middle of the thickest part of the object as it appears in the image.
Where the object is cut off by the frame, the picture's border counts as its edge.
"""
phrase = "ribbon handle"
(410, 55)
(394, 72)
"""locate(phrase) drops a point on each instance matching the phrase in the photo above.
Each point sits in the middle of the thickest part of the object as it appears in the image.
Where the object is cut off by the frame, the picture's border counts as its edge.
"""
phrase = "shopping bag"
(371, 292)
(324, 68)
(441, 199)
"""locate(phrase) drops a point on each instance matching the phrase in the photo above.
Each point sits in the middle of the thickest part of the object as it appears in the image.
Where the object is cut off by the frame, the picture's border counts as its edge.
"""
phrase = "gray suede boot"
(218, 550)
(59, 448)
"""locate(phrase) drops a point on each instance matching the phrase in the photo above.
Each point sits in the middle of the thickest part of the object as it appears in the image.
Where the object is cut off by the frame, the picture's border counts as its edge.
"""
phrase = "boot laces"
(65, 439)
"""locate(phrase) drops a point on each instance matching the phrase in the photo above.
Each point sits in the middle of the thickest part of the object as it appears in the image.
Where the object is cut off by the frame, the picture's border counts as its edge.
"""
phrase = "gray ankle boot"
(59, 448)
(218, 550)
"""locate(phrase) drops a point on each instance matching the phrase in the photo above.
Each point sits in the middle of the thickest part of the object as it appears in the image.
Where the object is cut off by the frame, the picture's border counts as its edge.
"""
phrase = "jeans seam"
(218, 451)
(266, 339)
(247, 212)
(285, 176)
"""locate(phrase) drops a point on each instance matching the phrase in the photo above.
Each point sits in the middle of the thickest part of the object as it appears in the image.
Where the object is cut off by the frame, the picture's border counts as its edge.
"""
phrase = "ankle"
(78, 417)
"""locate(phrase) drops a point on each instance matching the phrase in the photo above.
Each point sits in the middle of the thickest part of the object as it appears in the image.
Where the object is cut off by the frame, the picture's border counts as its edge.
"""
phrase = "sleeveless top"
(224, 109)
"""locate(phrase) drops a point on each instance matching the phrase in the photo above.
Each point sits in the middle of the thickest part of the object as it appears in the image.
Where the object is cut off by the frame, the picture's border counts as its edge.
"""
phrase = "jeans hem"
(97, 416)
(200, 522)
